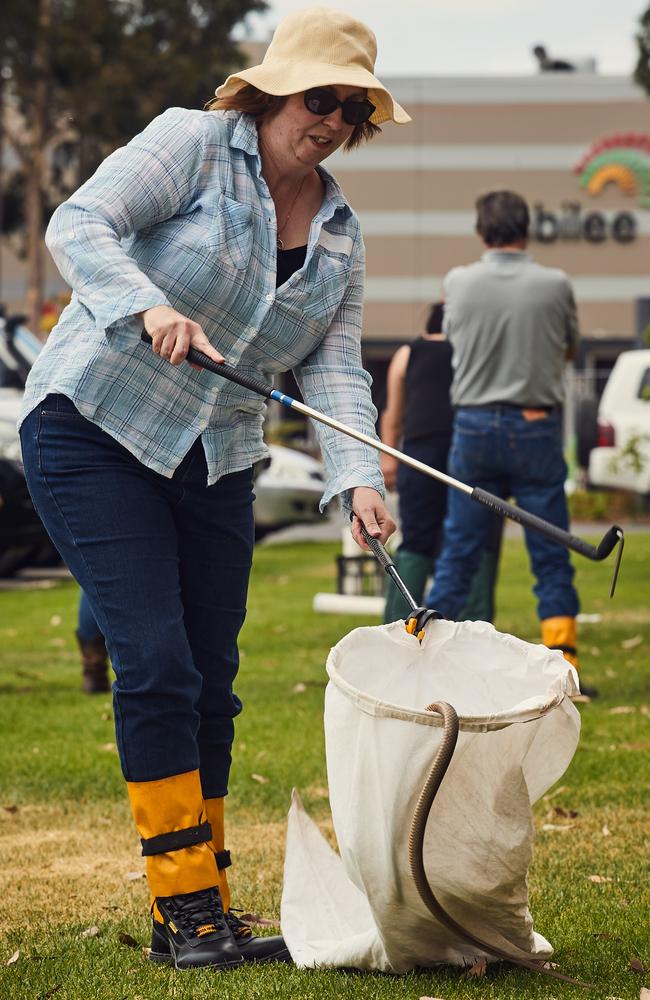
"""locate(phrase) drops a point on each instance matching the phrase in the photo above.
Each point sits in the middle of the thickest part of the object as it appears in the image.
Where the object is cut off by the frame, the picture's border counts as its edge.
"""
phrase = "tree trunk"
(34, 226)
(35, 170)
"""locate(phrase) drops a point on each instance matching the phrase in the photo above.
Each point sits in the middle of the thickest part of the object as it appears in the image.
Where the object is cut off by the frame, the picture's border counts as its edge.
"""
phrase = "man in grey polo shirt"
(512, 324)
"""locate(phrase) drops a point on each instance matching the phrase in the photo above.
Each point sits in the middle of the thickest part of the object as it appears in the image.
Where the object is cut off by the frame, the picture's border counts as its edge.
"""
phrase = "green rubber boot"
(479, 606)
(414, 569)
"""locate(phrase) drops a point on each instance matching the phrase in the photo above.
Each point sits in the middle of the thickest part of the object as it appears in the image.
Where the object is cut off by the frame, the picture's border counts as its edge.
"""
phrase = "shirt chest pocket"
(230, 237)
(319, 293)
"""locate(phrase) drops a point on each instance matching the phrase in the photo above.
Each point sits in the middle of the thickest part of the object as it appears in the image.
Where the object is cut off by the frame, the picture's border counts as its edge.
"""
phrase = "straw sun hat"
(319, 47)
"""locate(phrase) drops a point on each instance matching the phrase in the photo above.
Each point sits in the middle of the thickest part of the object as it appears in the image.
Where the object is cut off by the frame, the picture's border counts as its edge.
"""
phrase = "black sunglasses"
(323, 102)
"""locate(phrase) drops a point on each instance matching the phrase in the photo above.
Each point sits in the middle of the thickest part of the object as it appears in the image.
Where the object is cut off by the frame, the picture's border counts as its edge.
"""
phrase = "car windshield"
(644, 387)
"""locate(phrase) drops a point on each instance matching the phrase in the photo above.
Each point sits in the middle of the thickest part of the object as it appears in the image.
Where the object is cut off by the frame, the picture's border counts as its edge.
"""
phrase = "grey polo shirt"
(510, 322)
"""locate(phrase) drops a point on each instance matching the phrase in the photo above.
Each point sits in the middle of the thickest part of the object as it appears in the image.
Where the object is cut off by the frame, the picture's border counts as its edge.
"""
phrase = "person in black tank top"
(427, 387)
(288, 262)
(419, 418)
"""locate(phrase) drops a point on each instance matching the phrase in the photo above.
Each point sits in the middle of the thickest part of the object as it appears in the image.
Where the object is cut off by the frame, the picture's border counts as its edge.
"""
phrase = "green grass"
(66, 840)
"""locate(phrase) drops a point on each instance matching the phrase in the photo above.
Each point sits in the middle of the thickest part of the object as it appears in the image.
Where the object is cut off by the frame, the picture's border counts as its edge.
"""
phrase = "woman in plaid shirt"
(220, 230)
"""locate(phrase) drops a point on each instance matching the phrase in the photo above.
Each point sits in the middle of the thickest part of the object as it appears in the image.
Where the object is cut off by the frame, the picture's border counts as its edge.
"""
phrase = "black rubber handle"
(225, 370)
(384, 560)
(377, 549)
(594, 552)
(613, 537)
(608, 542)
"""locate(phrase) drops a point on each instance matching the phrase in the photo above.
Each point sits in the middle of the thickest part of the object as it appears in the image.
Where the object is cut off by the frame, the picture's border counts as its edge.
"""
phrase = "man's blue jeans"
(496, 448)
(165, 564)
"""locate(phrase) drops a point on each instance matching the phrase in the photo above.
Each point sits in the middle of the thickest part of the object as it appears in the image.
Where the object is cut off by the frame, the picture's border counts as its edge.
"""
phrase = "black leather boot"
(94, 665)
(194, 933)
(251, 947)
(254, 948)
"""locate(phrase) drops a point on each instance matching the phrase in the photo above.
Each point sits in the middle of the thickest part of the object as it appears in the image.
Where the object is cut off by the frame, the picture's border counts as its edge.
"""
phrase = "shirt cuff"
(343, 485)
(121, 324)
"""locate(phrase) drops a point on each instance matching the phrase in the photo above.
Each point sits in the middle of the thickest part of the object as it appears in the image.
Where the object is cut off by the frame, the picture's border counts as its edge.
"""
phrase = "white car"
(10, 400)
(288, 486)
(287, 491)
(621, 456)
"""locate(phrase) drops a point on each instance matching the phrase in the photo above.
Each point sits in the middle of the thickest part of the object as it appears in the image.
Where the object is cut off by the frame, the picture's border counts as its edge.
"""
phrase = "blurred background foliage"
(80, 79)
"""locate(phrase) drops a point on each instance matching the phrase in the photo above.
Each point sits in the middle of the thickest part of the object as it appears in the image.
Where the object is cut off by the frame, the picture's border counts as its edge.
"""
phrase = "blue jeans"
(165, 564)
(497, 448)
(87, 627)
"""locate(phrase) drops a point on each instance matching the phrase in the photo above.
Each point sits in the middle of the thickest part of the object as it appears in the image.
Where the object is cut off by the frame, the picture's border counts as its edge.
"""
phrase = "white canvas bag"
(518, 733)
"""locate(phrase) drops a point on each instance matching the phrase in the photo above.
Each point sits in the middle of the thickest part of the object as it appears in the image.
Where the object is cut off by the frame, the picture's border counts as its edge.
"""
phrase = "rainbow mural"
(622, 159)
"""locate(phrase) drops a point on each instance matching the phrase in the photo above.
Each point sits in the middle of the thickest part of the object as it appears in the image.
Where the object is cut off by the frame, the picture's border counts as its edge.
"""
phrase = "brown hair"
(502, 218)
(263, 107)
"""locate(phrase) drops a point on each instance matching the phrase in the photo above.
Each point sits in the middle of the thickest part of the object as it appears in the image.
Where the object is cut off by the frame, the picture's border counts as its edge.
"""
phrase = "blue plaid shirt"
(182, 216)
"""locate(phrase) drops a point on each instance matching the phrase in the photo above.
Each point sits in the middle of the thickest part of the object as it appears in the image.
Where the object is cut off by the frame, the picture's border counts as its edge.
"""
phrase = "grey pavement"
(331, 529)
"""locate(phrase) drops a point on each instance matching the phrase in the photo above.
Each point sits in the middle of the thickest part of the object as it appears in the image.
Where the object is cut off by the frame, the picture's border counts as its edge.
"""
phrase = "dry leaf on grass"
(134, 876)
(50, 993)
(126, 939)
(634, 640)
(55, 620)
(11, 809)
(582, 699)
(606, 832)
(299, 688)
(254, 918)
(637, 965)
(109, 747)
(566, 813)
(622, 710)
(430, 998)
(90, 932)
(604, 936)
(599, 878)
(478, 970)
(14, 958)
(260, 779)
(553, 827)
